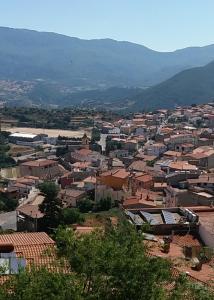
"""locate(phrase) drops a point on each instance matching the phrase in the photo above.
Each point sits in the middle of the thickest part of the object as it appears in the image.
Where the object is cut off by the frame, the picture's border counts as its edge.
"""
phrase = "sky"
(163, 25)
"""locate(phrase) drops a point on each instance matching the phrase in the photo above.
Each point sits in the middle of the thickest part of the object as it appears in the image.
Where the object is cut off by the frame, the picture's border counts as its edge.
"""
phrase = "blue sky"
(163, 25)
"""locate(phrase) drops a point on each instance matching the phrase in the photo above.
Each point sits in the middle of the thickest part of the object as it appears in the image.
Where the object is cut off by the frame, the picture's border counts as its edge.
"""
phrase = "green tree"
(7, 204)
(114, 265)
(95, 134)
(71, 216)
(104, 204)
(40, 285)
(51, 206)
(5, 160)
(85, 205)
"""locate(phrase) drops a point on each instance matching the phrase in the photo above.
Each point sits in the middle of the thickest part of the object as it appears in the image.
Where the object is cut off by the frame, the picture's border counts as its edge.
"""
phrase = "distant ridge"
(191, 86)
(102, 63)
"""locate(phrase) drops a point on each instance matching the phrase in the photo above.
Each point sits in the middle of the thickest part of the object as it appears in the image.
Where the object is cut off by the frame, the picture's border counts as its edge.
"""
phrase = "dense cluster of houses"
(158, 167)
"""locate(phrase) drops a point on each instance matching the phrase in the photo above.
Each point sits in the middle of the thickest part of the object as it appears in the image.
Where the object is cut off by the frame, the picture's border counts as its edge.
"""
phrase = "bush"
(71, 216)
(7, 204)
(85, 205)
(104, 204)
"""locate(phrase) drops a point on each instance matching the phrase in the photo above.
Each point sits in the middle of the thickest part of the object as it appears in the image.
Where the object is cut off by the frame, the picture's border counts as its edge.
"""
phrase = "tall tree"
(112, 265)
(51, 206)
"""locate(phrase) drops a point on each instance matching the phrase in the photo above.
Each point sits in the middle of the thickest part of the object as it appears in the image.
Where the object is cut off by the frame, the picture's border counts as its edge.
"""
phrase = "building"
(29, 218)
(26, 139)
(115, 179)
(206, 227)
(155, 149)
(41, 168)
(24, 250)
(74, 143)
(164, 220)
(143, 181)
(131, 145)
(70, 197)
(143, 199)
(176, 140)
(203, 157)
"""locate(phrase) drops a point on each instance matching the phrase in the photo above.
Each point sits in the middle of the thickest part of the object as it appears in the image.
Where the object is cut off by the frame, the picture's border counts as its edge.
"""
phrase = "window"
(10, 264)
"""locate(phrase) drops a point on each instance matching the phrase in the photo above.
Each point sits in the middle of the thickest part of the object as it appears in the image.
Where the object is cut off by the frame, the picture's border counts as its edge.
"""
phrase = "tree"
(85, 205)
(71, 216)
(51, 206)
(7, 204)
(95, 134)
(5, 160)
(104, 204)
(114, 265)
(40, 284)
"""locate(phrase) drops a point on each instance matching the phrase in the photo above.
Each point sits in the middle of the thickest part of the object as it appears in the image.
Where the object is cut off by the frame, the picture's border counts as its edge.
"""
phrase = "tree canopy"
(51, 206)
(104, 265)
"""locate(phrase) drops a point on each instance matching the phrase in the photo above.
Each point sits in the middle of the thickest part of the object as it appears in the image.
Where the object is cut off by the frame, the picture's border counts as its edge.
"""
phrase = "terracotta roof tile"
(22, 239)
(31, 210)
(39, 163)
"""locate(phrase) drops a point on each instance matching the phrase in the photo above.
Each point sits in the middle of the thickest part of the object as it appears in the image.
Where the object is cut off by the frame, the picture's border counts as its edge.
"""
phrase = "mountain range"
(192, 86)
(66, 70)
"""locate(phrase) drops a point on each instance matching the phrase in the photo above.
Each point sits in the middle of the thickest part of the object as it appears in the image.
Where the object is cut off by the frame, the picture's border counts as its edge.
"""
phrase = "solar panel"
(168, 217)
(149, 218)
(136, 219)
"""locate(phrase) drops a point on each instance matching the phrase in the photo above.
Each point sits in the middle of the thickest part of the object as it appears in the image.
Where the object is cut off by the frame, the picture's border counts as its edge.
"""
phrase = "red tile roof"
(30, 210)
(84, 152)
(119, 173)
(39, 163)
(26, 239)
(144, 178)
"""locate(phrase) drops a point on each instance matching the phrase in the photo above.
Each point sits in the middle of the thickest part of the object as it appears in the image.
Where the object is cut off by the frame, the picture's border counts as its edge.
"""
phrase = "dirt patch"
(50, 132)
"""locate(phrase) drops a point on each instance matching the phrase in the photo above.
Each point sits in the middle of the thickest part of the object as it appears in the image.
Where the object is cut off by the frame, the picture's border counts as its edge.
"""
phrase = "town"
(153, 169)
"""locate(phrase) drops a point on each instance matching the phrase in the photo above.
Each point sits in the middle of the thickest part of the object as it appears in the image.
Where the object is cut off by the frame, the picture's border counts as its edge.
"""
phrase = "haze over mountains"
(194, 85)
(70, 64)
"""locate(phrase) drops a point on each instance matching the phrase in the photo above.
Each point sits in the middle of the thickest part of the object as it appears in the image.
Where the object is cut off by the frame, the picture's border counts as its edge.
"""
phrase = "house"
(131, 145)
(170, 154)
(25, 250)
(159, 186)
(74, 143)
(183, 166)
(90, 183)
(178, 139)
(143, 181)
(154, 149)
(81, 166)
(29, 218)
(119, 153)
(70, 197)
(103, 191)
(177, 197)
(206, 225)
(137, 166)
(115, 178)
(185, 148)
(143, 198)
(41, 168)
(203, 157)
(8, 221)
(145, 157)
(204, 181)
(22, 186)
(164, 220)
